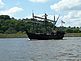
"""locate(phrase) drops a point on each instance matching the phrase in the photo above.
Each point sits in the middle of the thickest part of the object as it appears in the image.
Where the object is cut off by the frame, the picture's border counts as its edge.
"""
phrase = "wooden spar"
(55, 21)
(43, 18)
(38, 17)
(57, 18)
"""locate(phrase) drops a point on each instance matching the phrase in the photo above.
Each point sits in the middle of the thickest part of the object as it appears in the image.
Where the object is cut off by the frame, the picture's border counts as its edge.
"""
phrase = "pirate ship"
(46, 35)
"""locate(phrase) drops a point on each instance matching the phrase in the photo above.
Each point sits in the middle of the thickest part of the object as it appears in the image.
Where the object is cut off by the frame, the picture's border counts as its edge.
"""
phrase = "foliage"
(4, 17)
(11, 25)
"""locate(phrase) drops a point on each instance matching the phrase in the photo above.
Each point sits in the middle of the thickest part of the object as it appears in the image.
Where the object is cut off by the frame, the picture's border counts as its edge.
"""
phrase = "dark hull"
(43, 36)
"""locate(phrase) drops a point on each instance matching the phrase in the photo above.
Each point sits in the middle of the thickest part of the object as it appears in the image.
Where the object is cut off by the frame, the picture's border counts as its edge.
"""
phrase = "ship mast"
(33, 22)
(45, 21)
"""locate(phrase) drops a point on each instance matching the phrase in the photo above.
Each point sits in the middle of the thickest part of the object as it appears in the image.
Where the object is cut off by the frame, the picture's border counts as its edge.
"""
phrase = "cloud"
(67, 5)
(39, 1)
(1, 4)
(11, 11)
(73, 18)
(70, 10)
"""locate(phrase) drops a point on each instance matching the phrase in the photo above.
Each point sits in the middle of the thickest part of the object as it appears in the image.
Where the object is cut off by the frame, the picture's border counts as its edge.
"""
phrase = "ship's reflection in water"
(21, 49)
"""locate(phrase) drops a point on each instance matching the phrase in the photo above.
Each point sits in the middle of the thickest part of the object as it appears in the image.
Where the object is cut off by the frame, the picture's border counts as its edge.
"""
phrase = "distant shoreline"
(72, 35)
(25, 36)
(13, 36)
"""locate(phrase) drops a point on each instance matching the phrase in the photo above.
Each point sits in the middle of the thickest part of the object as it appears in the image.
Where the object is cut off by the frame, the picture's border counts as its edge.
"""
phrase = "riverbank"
(25, 36)
(72, 35)
(13, 36)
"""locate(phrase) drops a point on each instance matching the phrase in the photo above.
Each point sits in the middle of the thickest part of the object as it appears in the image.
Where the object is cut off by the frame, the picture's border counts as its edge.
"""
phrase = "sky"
(68, 10)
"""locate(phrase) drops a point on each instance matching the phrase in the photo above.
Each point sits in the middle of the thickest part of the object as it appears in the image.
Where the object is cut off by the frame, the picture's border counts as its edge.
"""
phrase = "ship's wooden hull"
(42, 36)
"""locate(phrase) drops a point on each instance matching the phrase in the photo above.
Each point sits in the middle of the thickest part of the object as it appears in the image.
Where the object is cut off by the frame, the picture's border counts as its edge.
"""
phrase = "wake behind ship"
(46, 34)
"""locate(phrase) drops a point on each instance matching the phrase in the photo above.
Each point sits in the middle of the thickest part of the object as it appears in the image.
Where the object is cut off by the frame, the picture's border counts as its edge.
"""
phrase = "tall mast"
(54, 23)
(33, 22)
(54, 18)
(33, 15)
(45, 22)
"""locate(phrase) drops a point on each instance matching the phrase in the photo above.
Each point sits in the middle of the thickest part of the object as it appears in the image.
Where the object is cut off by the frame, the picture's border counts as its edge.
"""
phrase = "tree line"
(11, 25)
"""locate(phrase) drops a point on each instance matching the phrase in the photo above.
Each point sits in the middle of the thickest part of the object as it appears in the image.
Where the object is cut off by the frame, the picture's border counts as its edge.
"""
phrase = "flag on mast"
(62, 21)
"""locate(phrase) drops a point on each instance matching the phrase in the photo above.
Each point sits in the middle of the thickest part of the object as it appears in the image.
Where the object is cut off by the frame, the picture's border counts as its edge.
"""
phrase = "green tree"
(4, 17)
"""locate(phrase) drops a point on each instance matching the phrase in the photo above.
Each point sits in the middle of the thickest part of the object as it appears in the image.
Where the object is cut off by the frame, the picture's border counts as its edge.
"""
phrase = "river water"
(21, 49)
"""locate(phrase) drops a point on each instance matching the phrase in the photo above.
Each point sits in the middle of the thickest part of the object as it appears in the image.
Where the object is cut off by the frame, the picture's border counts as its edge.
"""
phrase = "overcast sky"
(69, 10)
